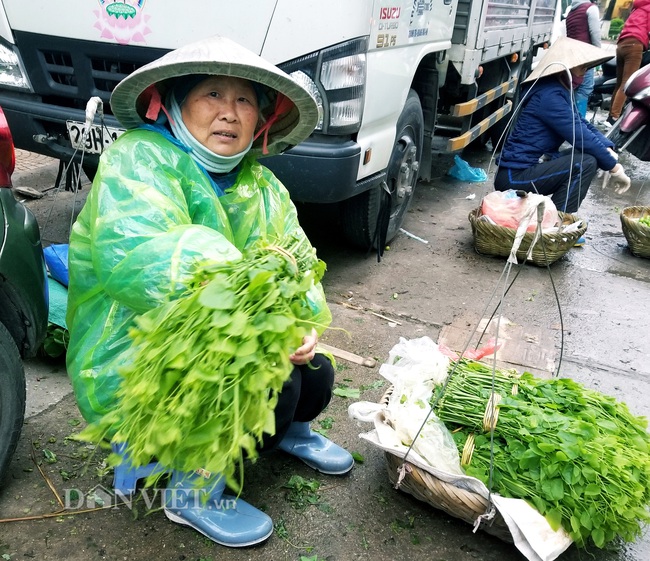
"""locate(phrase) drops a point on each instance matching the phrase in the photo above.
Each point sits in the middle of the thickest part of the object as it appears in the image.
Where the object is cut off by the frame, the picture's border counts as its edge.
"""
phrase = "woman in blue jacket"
(531, 159)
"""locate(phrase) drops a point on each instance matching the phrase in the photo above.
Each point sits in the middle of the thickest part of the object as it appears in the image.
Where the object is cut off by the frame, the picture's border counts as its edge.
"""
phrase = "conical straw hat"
(565, 54)
(219, 56)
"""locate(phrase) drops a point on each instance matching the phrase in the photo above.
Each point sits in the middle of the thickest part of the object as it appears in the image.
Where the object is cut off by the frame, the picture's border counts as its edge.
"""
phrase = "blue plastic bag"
(56, 259)
(463, 171)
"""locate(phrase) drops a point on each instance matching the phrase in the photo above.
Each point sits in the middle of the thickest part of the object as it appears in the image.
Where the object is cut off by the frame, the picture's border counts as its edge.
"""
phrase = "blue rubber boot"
(315, 450)
(203, 506)
(126, 475)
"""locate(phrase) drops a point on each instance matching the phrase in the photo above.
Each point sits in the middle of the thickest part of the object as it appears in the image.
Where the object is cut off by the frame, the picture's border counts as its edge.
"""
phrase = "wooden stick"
(361, 309)
(386, 318)
(54, 514)
(346, 355)
(46, 478)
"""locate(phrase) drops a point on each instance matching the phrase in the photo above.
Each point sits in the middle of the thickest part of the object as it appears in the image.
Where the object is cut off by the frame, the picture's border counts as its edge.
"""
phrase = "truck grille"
(68, 72)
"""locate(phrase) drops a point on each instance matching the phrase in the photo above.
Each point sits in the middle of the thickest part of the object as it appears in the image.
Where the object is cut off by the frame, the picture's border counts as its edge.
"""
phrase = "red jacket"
(637, 24)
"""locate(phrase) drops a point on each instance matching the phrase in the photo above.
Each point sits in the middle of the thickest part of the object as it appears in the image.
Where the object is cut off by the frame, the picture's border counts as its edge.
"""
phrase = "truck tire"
(362, 215)
(12, 398)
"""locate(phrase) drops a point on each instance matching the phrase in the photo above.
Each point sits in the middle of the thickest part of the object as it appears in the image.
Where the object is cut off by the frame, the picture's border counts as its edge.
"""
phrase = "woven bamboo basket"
(455, 501)
(490, 239)
(636, 234)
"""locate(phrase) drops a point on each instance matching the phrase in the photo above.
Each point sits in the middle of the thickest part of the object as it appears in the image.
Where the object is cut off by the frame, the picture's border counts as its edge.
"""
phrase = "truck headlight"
(336, 79)
(345, 113)
(343, 77)
(12, 73)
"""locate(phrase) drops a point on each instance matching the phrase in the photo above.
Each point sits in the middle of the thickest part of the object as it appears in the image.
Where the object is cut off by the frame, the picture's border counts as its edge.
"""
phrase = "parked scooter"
(23, 299)
(605, 82)
(631, 131)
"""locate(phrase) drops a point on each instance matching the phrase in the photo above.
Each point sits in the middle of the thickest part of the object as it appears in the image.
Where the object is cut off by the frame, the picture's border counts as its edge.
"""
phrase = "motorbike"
(631, 131)
(605, 83)
(23, 299)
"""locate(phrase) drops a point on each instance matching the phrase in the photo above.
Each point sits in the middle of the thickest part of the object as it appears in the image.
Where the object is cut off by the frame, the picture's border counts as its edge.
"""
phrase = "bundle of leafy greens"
(578, 456)
(204, 373)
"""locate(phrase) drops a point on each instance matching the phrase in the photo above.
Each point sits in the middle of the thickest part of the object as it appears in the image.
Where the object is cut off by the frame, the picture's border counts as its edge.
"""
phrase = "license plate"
(96, 141)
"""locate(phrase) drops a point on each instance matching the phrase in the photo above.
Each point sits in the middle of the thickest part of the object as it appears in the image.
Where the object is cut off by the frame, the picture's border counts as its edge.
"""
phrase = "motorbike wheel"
(361, 214)
(12, 398)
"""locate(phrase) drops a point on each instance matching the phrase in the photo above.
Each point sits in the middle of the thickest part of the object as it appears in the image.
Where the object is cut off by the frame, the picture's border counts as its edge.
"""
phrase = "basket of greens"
(635, 221)
(579, 457)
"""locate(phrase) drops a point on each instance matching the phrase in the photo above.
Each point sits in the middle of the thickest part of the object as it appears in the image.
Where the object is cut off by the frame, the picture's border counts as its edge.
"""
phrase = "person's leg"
(618, 97)
(303, 397)
(316, 388)
(628, 61)
(584, 170)
(551, 178)
(318, 452)
(544, 178)
(284, 410)
(583, 91)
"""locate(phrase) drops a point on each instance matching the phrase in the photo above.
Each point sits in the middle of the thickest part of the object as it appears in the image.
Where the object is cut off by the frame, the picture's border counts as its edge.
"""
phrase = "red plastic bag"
(488, 349)
(507, 209)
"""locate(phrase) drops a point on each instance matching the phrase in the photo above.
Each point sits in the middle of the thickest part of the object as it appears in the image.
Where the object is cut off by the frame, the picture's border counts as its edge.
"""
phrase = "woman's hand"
(305, 353)
(619, 179)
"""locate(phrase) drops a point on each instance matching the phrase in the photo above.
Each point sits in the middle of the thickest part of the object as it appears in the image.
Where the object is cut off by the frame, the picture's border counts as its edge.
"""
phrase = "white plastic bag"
(434, 442)
(415, 366)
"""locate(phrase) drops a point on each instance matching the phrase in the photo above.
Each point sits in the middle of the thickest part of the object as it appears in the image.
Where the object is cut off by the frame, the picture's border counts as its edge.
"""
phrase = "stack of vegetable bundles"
(205, 370)
(578, 456)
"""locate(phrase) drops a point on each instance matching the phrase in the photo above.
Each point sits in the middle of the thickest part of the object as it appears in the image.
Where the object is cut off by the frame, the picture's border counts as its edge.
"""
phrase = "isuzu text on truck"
(390, 76)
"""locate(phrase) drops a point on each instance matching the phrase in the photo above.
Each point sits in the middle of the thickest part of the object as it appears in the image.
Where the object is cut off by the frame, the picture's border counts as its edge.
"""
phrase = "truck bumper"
(320, 170)
(41, 128)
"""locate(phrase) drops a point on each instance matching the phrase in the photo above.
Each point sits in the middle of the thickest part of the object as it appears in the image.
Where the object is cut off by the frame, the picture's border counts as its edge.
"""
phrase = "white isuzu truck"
(390, 76)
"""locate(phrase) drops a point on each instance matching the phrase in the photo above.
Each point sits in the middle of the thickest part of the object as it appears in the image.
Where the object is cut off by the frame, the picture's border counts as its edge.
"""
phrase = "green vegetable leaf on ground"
(345, 391)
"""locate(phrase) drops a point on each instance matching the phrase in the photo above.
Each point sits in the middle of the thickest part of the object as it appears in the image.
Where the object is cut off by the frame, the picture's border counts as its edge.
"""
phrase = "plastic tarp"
(56, 259)
(152, 220)
(58, 303)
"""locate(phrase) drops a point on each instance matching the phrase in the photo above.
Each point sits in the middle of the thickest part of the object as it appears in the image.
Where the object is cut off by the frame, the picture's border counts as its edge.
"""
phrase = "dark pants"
(303, 397)
(629, 53)
(551, 178)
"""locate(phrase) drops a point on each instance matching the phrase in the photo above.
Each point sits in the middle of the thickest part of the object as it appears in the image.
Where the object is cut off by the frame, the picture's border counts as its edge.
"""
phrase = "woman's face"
(221, 112)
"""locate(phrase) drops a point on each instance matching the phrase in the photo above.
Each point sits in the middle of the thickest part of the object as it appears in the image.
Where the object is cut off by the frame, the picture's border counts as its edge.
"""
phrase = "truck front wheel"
(384, 207)
(12, 398)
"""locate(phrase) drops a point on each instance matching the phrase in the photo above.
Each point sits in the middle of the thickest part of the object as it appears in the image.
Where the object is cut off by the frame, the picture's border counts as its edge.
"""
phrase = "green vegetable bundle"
(578, 456)
(204, 374)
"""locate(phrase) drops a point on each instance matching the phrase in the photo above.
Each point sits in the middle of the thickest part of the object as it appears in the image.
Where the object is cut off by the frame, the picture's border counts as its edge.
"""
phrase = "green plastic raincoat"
(151, 220)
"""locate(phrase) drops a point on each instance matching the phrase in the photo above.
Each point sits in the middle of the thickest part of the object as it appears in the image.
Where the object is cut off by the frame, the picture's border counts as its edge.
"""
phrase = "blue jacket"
(548, 118)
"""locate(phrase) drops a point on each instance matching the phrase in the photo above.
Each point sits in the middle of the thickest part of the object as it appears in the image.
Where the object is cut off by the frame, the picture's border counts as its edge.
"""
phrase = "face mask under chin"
(576, 81)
